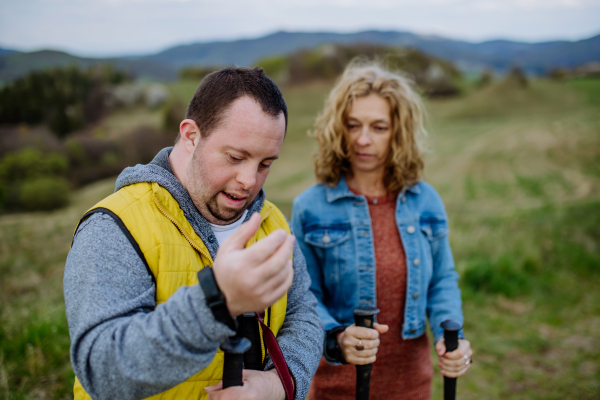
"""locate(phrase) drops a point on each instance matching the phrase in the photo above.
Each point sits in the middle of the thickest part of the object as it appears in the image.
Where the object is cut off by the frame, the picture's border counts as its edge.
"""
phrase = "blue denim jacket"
(333, 228)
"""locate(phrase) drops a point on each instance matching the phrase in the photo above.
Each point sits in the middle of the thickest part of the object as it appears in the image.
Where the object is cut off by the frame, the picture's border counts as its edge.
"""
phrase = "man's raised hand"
(254, 278)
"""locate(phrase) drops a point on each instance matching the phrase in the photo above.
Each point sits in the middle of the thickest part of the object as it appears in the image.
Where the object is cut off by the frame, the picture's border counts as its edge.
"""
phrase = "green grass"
(591, 88)
(34, 337)
(519, 172)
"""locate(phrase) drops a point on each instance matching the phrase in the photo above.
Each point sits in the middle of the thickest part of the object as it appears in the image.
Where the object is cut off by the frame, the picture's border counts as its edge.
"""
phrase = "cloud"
(511, 5)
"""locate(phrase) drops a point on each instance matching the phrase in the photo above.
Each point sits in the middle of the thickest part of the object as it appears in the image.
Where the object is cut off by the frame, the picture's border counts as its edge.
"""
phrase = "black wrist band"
(332, 347)
(214, 298)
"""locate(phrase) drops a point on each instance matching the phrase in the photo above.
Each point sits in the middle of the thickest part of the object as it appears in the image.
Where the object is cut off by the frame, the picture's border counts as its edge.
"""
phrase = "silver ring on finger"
(360, 346)
(467, 361)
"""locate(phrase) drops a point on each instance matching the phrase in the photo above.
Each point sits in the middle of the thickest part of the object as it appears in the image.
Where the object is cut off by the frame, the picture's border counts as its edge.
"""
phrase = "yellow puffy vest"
(175, 253)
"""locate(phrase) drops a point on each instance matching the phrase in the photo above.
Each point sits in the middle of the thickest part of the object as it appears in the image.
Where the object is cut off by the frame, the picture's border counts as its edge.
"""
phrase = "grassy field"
(519, 171)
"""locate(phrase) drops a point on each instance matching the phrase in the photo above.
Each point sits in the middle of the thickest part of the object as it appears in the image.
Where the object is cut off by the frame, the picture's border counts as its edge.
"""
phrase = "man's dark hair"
(220, 89)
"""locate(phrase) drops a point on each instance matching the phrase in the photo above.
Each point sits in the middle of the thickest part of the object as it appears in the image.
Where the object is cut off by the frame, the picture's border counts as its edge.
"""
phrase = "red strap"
(278, 359)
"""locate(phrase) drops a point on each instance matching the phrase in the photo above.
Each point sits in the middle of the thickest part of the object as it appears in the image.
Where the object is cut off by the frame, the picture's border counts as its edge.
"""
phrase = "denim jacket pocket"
(434, 226)
(332, 247)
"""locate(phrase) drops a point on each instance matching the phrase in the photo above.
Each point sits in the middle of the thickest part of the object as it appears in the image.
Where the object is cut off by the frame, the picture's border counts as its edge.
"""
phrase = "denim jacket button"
(403, 199)
(410, 229)
(416, 261)
(413, 330)
(415, 296)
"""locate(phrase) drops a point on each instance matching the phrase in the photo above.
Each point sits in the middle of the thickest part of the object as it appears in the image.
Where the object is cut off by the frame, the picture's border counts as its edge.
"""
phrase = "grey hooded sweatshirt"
(123, 346)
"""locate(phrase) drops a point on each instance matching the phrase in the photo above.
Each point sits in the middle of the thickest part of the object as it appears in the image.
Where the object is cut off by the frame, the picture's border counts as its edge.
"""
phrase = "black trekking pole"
(234, 348)
(365, 317)
(451, 328)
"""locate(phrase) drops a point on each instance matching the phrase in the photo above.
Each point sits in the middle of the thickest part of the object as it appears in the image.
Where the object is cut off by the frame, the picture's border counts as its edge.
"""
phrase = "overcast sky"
(117, 27)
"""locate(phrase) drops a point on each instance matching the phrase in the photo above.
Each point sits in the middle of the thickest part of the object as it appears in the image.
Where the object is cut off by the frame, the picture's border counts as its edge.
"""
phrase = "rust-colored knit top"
(403, 369)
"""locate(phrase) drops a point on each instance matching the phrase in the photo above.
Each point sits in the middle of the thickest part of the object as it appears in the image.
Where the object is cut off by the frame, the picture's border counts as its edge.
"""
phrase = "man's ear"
(189, 134)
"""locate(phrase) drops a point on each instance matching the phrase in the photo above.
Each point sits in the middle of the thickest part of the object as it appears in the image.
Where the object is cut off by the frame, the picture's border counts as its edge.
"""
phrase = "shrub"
(435, 77)
(558, 74)
(15, 138)
(31, 180)
(518, 76)
(29, 164)
(142, 144)
(63, 98)
(92, 159)
(173, 113)
(486, 77)
(275, 67)
(3, 197)
(45, 193)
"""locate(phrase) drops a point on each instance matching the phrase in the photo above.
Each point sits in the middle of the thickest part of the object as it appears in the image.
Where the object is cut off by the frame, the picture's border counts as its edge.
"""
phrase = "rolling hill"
(500, 55)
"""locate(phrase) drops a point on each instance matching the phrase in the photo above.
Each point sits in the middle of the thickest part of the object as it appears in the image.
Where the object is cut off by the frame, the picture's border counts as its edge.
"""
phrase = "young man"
(143, 322)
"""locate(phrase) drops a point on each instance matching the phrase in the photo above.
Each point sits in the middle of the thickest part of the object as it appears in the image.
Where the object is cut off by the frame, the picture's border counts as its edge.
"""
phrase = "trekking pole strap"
(278, 359)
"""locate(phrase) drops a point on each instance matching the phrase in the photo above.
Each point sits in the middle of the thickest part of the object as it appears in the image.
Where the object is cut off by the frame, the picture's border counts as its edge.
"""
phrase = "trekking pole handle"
(234, 348)
(233, 365)
(451, 328)
(364, 317)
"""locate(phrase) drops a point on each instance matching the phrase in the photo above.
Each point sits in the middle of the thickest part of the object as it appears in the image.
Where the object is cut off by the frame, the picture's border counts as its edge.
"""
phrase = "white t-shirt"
(222, 232)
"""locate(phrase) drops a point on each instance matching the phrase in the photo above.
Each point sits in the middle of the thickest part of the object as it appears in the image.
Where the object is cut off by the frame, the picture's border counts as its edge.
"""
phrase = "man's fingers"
(214, 388)
(269, 246)
(280, 283)
(239, 239)
(278, 260)
(287, 284)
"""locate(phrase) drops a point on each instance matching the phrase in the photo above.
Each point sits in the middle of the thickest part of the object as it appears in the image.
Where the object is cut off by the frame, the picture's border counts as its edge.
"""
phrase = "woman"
(374, 234)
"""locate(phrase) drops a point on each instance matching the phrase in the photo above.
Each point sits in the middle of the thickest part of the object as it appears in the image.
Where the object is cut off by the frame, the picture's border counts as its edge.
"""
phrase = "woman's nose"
(365, 138)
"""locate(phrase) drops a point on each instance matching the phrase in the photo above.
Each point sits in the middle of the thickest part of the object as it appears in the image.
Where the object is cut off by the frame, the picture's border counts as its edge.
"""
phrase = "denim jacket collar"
(341, 190)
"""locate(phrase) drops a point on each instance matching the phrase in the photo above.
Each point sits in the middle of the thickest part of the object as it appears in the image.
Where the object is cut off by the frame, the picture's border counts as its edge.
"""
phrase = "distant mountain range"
(499, 55)
(15, 64)
(4, 52)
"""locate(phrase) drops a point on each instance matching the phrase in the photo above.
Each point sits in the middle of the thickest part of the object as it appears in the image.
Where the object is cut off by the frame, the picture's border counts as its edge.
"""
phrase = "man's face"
(228, 169)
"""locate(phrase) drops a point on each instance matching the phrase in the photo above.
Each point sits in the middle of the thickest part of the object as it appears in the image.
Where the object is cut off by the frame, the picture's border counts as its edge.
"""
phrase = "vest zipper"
(183, 232)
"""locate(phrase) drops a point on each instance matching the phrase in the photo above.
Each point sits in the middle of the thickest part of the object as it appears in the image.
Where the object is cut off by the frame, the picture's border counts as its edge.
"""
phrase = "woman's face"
(369, 133)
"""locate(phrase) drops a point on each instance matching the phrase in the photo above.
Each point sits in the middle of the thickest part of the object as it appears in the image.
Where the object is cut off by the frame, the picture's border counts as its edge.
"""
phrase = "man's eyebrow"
(246, 153)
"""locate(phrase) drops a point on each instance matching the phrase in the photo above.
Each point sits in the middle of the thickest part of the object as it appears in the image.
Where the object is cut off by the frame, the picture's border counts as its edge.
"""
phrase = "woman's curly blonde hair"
(405, 162)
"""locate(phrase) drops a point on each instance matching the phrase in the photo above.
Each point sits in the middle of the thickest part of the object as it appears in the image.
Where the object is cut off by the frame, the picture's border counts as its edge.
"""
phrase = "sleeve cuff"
(331, 349)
